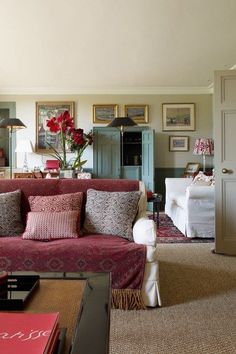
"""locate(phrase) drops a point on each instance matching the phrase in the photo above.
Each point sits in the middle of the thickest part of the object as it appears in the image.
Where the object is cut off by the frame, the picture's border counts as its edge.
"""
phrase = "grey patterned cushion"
(111, 213)
(10, 216)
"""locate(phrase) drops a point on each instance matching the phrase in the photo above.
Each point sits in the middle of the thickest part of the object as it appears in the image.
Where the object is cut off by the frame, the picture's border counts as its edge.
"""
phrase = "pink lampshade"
(203, 146)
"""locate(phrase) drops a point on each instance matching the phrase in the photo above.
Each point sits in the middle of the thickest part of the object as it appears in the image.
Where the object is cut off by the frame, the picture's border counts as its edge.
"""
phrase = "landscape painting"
(138, 112)
(104, 113)
(178, 117)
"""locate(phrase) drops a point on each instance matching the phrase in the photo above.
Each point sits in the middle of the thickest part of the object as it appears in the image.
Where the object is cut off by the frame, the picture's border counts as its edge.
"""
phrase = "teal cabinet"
(106, 153)
(132, 172)
(148, 158)
(132, 159)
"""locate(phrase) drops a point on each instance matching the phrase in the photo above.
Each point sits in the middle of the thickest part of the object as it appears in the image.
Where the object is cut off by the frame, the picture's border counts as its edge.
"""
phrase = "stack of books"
(34, 333)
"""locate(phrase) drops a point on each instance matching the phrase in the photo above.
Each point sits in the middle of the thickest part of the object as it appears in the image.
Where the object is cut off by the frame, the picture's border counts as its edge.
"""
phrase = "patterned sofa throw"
(111, 213)
(10, 215)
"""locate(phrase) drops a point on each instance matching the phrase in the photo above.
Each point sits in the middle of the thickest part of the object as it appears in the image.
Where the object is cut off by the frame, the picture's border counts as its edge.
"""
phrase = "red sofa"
(96, 253)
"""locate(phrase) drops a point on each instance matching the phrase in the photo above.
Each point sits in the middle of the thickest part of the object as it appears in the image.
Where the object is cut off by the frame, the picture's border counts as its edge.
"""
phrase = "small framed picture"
(104, 113)
(178, 143)
(178, 116)
(191, 168)
(138, 112)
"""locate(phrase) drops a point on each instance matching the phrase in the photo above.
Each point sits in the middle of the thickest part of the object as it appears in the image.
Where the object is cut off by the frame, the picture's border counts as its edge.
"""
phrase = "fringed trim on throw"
(127, 299)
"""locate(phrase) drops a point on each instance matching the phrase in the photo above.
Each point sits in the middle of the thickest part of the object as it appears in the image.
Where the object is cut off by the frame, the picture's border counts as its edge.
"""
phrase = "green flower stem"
(77, 162)
(63, 149)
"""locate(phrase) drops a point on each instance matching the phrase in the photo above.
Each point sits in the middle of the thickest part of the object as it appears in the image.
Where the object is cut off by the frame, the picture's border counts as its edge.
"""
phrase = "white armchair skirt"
(191, 207)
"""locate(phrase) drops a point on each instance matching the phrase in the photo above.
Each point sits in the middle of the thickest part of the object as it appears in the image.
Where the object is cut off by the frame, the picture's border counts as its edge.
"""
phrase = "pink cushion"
(52, 165)
(57, 203)
(50, 226)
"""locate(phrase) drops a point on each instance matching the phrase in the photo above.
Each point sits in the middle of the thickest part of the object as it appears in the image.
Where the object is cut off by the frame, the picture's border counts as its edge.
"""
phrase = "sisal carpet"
(168, 233)
(198, 316)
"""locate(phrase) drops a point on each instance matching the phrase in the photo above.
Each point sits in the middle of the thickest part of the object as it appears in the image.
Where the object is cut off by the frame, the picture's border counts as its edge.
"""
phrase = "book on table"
(34, 333)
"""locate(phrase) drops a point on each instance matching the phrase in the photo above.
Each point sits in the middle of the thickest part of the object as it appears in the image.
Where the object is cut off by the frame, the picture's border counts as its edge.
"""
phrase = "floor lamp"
(12, 124)
(122, 123)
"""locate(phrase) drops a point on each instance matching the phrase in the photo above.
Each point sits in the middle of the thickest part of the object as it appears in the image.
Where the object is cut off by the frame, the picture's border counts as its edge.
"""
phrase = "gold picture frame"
(178, 116)
(191, 168)
(105, 113)
(178, 143)
(138, 112)
(45, 111)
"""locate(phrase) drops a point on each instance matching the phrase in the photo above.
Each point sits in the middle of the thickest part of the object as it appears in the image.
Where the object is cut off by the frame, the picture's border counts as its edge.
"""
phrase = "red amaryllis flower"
(70, 138)
(78, 137)
(65, 117)
(90, 140)
(53, 125)
(65, 121)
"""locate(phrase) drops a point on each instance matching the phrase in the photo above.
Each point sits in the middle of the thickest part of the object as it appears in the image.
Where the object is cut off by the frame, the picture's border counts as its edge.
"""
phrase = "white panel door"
(225, 160)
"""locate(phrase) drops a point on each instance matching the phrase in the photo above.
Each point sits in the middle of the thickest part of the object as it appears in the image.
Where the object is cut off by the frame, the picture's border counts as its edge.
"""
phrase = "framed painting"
(45, 111)
(178, 116)
(104, 113)
(178, 143)
(191, 168)
(138, 112)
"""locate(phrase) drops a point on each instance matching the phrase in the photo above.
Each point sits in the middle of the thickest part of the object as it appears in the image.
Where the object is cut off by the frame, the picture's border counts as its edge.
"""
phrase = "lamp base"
(204, 162)
(25, 165)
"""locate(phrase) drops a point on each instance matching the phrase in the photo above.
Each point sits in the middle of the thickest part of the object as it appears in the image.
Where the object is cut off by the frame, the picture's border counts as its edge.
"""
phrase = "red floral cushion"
(203, 180)
(50, 226)
(57, 203)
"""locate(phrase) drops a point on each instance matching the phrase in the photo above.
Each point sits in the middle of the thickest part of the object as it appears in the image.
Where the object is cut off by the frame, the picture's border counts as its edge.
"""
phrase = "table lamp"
(24, 146)
(204, 146)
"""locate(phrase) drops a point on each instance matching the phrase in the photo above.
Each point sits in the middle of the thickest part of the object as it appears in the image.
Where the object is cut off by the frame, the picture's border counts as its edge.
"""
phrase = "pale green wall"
(25, 110)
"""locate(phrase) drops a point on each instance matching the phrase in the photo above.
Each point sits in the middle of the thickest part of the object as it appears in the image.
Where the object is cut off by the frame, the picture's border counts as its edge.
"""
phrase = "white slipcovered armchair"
(191, 207)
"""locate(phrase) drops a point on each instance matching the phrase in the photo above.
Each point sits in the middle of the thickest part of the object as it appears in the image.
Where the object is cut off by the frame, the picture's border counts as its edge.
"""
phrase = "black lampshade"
(13, 123)
(122, 122)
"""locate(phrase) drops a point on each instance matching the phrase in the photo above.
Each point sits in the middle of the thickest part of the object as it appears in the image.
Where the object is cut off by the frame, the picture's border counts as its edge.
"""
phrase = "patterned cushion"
(111, 213)
(57, 203)
(48, 226)
(203, 180)
(10, 216)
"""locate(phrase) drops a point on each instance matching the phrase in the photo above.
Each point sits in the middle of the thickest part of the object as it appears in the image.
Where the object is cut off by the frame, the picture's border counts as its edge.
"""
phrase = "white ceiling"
(81, 46)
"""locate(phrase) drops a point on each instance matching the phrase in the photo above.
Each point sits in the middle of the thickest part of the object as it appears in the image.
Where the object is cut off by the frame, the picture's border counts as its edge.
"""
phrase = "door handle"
(224, 170)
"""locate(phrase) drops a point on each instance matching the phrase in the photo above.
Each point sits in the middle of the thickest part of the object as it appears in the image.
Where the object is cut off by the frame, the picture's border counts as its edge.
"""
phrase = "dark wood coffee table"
(89, 329)
(155, 200)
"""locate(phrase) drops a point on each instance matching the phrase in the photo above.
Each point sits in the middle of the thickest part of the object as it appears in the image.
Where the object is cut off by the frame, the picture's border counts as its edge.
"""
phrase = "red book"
(3, 284)
(53, 343)
(23, 333)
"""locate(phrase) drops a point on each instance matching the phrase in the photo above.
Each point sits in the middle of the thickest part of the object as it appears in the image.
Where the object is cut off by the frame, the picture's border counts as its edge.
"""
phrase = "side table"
(155, 200)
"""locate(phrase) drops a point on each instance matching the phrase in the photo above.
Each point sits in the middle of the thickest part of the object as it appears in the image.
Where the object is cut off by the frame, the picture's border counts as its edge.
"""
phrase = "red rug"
(168, 233)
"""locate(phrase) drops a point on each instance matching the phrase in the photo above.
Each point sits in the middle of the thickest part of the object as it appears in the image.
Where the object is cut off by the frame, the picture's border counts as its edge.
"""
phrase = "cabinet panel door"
(106, 153)
(132, 172)
(148, 159)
